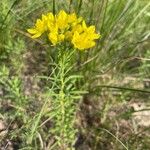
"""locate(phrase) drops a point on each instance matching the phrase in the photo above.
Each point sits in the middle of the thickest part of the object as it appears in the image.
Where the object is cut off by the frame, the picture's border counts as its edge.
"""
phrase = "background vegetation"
(113, 113)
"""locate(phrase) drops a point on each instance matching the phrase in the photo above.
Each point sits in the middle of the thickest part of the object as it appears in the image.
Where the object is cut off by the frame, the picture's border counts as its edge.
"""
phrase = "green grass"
(105, 80)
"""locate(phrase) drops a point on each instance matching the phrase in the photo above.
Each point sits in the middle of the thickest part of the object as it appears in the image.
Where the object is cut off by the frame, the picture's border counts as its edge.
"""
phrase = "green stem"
(62, 96)
(54, 9)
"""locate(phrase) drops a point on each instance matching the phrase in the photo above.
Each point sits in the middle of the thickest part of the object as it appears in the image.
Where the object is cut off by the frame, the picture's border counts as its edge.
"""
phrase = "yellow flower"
(90, 31)
(50, 17)
(39, 27)
(65, 26)
(77, 28)
(72, 18)
(84, 38)
(78, 21)
(51, 22)
(81, 42)
(53, 37)
(61, 20)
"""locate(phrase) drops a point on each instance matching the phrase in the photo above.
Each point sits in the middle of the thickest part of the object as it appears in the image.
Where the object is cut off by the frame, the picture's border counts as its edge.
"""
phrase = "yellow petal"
(84, 25)
(53, 38)
(97, 36)
(61, 20)
(36, 35)
(72, 18)
(32, 31)
(91, 29)
(50, 16)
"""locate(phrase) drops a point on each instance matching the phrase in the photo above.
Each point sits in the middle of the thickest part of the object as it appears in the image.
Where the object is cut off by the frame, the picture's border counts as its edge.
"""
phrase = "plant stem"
(62, 97)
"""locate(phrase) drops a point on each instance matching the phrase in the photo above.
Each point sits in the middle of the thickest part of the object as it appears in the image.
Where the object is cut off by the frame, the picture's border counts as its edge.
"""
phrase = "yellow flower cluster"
(67, 27)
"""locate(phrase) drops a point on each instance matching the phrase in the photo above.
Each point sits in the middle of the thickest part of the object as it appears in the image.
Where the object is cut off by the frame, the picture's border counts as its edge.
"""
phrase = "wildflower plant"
(65, 27)
(67, 33)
